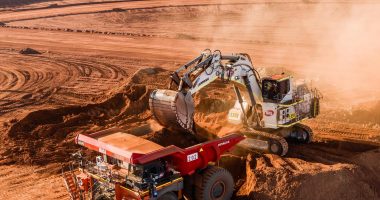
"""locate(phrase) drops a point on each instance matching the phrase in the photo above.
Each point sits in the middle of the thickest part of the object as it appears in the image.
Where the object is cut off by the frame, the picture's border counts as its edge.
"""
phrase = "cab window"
(274, 90)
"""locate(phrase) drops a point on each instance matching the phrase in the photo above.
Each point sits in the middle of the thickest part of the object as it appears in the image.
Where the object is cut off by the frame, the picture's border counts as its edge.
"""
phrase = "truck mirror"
(153, 189)
(154, 192)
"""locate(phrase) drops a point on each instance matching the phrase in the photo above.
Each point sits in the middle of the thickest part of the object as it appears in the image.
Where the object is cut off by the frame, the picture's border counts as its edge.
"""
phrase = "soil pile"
(29, 51)
(273, 177)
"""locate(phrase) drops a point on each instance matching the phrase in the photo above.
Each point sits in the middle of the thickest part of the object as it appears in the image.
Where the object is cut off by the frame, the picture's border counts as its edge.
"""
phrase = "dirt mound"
(370, 161)
(273, 177)
(29, 51)
(47, 135)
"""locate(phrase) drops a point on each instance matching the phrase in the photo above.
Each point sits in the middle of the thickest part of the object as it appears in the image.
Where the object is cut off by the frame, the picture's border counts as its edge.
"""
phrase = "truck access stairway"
(71, 184)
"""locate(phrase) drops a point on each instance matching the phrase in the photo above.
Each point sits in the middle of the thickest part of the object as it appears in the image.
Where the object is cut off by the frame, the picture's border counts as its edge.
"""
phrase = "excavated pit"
(314, 171)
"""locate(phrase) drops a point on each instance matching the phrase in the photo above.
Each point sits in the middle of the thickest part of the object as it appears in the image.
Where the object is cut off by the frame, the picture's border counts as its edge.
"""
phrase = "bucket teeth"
(172, 109)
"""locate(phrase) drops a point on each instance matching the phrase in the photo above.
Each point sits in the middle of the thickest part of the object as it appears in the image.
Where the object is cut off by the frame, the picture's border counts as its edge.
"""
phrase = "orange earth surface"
(98, 60)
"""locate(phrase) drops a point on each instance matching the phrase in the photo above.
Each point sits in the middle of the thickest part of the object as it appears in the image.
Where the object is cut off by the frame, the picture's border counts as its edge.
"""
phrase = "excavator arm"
(175, 109)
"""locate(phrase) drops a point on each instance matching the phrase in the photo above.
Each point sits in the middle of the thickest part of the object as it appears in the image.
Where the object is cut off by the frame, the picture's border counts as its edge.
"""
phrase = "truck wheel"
(217, 184)
(168, 196)
(275, 147)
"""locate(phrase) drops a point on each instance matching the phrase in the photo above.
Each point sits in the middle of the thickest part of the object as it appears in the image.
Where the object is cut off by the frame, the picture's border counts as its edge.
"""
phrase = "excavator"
(270, 109)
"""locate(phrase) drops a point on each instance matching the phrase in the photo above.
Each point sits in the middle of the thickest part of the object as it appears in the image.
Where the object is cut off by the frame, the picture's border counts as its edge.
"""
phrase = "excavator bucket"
(173, 110)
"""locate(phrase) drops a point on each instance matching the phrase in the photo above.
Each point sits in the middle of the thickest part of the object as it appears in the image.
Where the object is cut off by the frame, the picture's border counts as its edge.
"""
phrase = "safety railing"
(300, 101)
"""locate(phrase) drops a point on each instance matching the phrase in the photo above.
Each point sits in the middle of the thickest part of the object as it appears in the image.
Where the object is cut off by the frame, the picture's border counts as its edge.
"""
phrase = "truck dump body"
(117, 144)
(135, 150)
(129, 142)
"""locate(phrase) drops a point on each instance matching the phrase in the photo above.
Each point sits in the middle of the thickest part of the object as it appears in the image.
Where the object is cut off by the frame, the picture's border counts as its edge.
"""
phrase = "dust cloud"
(333, 45)
(348, 57)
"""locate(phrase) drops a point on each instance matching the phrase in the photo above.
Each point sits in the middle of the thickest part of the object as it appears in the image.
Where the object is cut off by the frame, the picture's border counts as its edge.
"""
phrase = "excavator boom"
(175, 108)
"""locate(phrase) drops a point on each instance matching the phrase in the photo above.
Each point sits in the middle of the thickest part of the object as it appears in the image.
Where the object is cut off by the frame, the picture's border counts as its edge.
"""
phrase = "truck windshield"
(136, 170)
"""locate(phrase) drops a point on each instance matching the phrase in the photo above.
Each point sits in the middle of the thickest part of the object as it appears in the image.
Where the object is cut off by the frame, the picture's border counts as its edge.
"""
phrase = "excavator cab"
(275, 88)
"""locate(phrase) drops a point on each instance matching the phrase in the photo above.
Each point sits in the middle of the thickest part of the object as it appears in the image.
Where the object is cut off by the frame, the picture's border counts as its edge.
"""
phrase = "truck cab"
(147, 176)
(113, 180)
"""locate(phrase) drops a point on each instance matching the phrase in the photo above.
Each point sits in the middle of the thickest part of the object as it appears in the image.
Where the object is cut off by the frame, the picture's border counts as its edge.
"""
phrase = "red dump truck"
(132, 168)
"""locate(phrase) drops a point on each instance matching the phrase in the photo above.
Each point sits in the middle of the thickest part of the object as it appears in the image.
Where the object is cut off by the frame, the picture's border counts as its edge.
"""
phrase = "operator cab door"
(275, 90)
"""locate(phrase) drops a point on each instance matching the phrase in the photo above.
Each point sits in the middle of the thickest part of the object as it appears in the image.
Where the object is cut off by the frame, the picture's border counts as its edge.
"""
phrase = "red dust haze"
(336, 45)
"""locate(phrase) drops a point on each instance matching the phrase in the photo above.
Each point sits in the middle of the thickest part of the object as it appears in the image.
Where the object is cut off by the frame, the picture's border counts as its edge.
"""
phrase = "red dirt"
(99, 64)
(273, 177)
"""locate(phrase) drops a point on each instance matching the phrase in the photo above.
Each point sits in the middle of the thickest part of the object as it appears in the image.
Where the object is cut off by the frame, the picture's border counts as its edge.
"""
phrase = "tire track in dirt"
(15, 3)
(31, 179)
(34, 80)
(92, 8)
(191, 8)
(82, 31)
(343, 131)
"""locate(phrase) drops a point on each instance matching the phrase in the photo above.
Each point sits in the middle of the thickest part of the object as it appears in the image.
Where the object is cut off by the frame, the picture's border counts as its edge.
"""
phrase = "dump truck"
(129, 167)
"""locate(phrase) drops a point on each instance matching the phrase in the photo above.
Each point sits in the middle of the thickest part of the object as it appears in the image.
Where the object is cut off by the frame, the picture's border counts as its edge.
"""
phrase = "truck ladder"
(71, 184)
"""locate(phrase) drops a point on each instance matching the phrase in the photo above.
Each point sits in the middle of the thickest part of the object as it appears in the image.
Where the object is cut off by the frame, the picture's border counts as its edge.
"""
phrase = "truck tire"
(168, 196)
(275, 147)
(216, 184)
